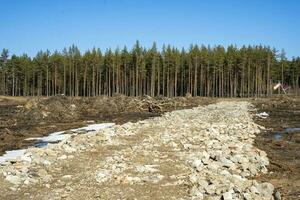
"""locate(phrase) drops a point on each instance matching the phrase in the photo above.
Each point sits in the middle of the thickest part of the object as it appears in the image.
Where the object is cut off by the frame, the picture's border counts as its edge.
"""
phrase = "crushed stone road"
(200, 153)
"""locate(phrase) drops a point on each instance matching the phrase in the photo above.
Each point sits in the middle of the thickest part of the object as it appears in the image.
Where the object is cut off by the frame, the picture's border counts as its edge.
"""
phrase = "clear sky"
(28, 26)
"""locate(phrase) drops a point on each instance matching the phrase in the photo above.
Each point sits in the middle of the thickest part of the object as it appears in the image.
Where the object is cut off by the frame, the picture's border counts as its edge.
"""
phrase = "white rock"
(277, 195)
(103, 175)
(247, 196)
(16, 180)
(198, 195)
(226, 163)
(197, 164)
(203, 183)
(63, 157)
(147, 168)
(46, 162)
(228, 195)
(254, 190)
(26, 158)
(67, 177)
(266, 189)
(133, 180)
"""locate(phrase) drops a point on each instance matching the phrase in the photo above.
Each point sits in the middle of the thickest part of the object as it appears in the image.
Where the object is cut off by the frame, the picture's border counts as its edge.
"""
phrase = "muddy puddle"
(288, 135)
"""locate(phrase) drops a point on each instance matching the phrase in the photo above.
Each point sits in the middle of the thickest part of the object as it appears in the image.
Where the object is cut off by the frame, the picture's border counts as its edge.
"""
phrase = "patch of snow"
(53, 137)
(8, 155)
(59, 136)
(94, 127)
(263, 115)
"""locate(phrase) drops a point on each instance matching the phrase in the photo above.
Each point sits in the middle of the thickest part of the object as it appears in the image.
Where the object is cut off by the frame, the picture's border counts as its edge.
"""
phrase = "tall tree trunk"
(47, 80)
(137, 78)
(248, 80)
(268, 77)
(195, 77)
(55, 80)
(175, 80)
(168, 80)
(158, 80)
(76, 80)
(84, 79)
(13, 86)
(190, 78)
(93, 81)
(65, 80)
(163, 79)
(152, 84)
(70, 79)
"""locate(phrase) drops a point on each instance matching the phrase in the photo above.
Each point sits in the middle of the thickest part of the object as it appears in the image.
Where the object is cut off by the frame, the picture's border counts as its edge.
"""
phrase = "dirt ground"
(282, 148)
(24, 117)
(151, 159)
(21, 118)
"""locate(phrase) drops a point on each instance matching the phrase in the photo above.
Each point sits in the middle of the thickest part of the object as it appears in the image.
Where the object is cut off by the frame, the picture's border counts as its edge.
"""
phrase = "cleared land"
(183, 154)
(22, 117)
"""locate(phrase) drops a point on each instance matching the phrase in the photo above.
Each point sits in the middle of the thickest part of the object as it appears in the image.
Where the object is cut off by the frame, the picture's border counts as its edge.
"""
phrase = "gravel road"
(200, 153)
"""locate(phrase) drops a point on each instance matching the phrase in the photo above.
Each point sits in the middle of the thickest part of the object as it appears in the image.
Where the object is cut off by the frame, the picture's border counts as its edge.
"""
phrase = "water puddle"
(53, 138)
(277, 136)
(286, 132)
(292, 130)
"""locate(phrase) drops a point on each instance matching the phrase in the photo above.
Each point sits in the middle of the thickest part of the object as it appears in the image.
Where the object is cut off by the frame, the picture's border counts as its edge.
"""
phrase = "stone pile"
(33, 166)
(209, 149)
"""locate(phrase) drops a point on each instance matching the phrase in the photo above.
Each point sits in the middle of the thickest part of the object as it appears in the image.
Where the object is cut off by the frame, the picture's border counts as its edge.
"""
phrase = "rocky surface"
(200, 153)
(26, 117)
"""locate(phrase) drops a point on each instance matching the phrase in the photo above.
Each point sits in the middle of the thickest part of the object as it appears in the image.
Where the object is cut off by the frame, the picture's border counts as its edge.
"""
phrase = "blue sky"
(28, 26)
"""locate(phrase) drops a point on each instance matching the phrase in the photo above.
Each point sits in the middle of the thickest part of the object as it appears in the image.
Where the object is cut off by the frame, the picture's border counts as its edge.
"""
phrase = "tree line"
(199, 70)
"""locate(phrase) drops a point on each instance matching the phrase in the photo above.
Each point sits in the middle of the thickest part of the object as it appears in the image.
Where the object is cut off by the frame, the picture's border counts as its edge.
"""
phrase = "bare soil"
(21, 118)
(24, 117)
(283, 148)
(151, 159)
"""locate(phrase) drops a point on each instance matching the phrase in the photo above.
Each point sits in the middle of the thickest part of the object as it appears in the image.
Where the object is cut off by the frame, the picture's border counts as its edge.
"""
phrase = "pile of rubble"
(209, 149)
(67, 109)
